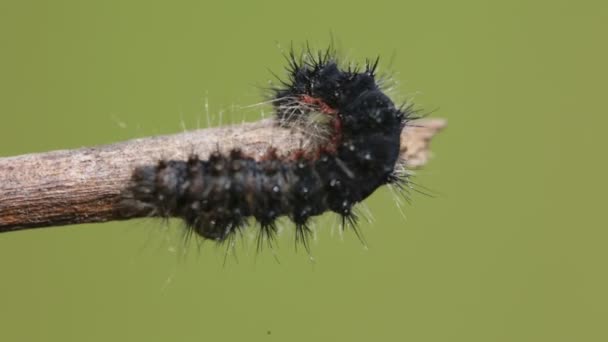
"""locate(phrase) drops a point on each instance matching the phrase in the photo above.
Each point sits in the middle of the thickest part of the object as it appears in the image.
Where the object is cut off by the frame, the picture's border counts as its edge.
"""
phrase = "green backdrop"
(513, 248)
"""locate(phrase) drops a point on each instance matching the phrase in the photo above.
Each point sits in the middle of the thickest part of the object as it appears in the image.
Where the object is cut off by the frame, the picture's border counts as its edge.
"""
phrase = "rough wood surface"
(84, 185)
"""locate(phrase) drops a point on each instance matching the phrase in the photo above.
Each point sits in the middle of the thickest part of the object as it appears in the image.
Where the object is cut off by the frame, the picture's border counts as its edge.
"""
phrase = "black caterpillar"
(215, 197)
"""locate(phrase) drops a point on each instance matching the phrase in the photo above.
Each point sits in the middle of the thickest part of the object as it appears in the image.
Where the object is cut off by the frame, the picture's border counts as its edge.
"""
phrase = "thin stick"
(85, 185)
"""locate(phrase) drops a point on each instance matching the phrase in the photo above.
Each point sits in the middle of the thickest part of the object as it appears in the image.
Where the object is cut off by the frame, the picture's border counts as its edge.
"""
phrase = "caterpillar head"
(320, 96)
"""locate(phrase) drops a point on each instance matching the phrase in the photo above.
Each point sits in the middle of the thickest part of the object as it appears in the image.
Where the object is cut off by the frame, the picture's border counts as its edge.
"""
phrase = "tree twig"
(84, 185)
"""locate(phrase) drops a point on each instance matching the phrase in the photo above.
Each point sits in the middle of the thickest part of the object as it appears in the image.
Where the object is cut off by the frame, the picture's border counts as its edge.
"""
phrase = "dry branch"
(84, 185)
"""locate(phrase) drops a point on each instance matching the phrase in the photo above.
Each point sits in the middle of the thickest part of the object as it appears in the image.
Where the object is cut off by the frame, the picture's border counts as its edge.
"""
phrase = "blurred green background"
(512, 248)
